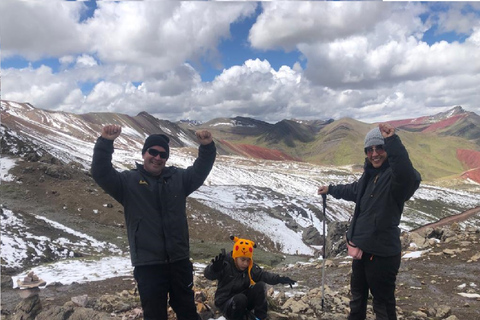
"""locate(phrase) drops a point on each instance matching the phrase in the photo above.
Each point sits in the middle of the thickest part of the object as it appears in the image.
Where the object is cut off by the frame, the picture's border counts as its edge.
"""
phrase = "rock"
(80, 301)
(475, 257)
(295, 306)
(449, 252)
(136, 313)
(88, 314)
(28, 308)
(448, 233)
(58, 172)
(419, 241)
(71, 313)
(114, 303)
(455, 227)
(55, 313)
(32, 157)
(336, 243)
(27, 293)
(443, 311)
(311, 236)
(30, 281)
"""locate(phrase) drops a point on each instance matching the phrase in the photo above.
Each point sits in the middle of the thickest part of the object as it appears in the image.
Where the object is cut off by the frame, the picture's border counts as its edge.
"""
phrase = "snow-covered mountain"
(276, 199)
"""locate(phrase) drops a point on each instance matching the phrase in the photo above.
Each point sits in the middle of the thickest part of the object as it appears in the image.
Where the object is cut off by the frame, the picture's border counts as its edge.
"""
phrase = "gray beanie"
(373, 138)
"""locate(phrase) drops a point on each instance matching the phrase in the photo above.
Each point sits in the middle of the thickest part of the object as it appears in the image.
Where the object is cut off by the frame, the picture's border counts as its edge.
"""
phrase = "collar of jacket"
(371, 171)
(167, 172)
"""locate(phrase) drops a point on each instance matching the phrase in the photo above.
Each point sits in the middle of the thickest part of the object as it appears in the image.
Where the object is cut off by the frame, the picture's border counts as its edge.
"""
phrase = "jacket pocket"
(132, 239)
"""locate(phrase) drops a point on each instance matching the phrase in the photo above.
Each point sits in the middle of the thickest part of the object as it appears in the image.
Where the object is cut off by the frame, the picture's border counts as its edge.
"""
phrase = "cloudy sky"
(371, 61)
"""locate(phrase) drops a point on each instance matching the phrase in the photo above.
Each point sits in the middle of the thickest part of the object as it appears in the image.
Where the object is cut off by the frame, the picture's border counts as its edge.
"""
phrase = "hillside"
(428, 286)
(438, 279)
(339, 143)
(246, 178)
(54, 214)
(432, 141)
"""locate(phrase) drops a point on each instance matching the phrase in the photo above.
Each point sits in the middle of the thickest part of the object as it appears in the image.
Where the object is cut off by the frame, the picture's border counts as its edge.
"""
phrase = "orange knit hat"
(244, 248)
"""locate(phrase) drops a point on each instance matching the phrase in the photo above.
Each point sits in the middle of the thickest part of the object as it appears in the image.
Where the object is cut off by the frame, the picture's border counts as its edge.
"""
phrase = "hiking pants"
(157, 283)
(377, 274)
(254, 298)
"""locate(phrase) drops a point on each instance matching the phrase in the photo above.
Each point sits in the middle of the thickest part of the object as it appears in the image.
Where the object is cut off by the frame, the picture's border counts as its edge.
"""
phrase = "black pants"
(254, 298)
(157, 283)
(377, 274)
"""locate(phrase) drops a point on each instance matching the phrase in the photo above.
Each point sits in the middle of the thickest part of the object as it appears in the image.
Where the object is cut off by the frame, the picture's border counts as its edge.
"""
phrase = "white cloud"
(287, 24)
(28, 26)
(86, 60)
(39, 85)
(159, 35)
(366, 60)
(457, 20)
(240, 91)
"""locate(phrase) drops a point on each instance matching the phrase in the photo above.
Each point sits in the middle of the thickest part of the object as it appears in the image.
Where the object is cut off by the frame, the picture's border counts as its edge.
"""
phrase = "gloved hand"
(286, 280)
(217, 262)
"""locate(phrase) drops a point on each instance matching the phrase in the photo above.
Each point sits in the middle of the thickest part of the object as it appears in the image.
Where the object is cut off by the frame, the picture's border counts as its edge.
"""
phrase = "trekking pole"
(324, 255)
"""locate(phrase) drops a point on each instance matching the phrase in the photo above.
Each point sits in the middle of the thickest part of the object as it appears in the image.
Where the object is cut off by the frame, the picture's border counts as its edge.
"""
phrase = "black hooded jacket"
(155, 207)
(232, 281)
(380, 195)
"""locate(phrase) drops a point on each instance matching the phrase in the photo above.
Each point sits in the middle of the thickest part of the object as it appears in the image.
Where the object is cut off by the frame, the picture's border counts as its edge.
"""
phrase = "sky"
(371, 61)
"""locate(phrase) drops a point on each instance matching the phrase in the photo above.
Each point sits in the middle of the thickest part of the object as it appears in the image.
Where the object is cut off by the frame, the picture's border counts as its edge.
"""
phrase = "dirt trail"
(449, 220)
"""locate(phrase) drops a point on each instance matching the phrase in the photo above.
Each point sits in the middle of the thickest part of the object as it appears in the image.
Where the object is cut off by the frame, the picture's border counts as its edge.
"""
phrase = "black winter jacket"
(155, 207)
(380, 196)
(232, 281)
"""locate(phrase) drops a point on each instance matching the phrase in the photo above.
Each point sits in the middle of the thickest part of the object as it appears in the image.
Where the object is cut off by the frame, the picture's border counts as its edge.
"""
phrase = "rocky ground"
(428, 287)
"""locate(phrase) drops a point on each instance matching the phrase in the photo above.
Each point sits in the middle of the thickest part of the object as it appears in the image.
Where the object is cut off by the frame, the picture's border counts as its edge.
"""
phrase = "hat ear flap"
(250, 266)
(233, 238)
(254, 245)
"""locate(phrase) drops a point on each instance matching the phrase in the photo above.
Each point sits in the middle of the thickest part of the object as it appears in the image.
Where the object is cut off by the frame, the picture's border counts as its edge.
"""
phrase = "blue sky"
(371, 61)
(236, 50)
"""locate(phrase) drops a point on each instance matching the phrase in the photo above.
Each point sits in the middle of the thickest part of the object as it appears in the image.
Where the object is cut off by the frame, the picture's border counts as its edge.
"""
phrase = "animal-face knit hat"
(244, 248)
(373, 138)
(157, 140)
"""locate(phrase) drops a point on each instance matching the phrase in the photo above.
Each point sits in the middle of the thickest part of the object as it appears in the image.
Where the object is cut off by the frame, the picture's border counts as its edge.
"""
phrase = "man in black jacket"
(373, 237)
(241, 283)
(154, 201)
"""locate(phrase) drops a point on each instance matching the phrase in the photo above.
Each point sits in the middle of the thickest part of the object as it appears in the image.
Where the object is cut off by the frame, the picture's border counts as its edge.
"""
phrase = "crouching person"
(241, 283)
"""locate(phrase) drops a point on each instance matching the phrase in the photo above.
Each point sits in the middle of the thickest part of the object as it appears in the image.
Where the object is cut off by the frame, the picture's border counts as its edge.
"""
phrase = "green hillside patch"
(435, 156)
(340, 142)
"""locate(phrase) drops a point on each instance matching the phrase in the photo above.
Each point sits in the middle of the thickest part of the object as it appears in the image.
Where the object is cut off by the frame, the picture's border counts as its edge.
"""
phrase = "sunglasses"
(379, 149)
(154, 153)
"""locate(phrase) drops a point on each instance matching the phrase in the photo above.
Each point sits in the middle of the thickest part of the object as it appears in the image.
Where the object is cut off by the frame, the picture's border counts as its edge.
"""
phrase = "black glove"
(217, 262)
(286, 280)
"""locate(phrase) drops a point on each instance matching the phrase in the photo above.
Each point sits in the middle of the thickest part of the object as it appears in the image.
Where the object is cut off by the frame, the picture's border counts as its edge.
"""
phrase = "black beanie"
(157, 140)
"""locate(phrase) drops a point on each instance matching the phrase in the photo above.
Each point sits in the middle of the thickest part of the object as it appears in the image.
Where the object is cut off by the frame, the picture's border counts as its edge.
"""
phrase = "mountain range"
(442, 146)
(263, 184)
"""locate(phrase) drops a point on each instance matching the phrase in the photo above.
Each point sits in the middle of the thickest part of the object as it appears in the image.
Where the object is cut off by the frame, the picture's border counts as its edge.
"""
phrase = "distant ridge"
(455, 122)
(445, 145)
